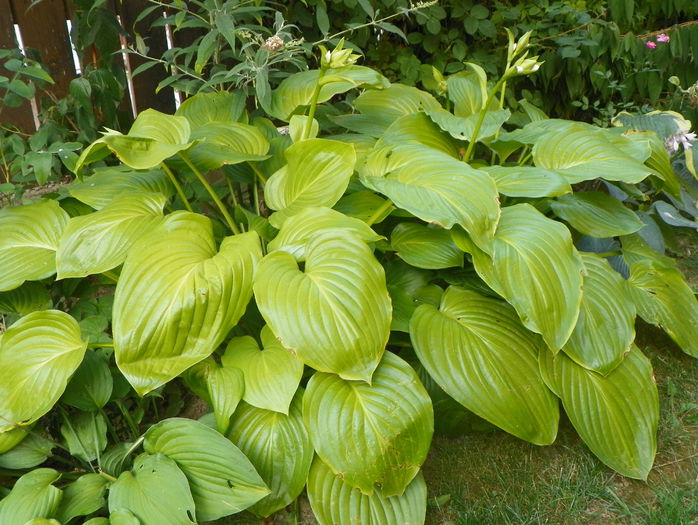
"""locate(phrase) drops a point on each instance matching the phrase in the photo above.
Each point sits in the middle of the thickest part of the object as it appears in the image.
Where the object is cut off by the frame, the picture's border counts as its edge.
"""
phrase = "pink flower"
(651, 44)
(663, 38)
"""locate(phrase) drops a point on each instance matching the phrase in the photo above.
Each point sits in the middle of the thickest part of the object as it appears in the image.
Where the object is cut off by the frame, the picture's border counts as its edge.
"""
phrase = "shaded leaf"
(596, 214)
(33, 496)
(424, 247)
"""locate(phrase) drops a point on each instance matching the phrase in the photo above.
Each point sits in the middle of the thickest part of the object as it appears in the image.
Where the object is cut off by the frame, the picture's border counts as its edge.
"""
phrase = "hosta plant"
(334, 280)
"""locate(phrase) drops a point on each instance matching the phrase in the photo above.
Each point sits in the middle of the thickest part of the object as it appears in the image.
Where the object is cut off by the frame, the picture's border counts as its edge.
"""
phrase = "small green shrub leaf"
(335, 502)
(33, 496)
(477, 350)
(615, 415)
(222, 479)
(386, 426)
(424, 247)
(596, 214)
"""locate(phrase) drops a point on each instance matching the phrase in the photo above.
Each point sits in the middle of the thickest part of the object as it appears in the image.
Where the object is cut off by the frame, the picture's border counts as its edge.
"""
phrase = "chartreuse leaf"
(85, 434)
(42, 521)
(336, 502)
(384, 106)
(425, 247)
(404, 282)
(334, 315)
(177, 298)
(11, 438)
(596, 214)
(29, 297)
(279, 447)
(91, 385)
(222, 479)
(436, 188)
(477, 350)
(38, 354)
(226, 143)
(220, 386)
(468, 90)
(29, 242)
(204, 108)
(83, 496)
(109, 183)
(272, 376)
(535, 267)
(297, 90)
(364, 205)
(33, 496)
(155, 491)
(386, 426)
(99, 241)
(580, 153)
(29, 453)
(663, 298)
(299, 229)
(615, 415)
(464, 128)
(316, 174)
(606, 325)
(527, 181)
(418, 129)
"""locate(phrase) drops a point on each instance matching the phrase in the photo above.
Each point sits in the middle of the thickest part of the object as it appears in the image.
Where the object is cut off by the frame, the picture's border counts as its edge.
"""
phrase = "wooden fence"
(43, 28)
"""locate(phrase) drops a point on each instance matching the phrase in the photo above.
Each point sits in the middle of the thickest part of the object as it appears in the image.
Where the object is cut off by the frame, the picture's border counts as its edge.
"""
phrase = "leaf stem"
(211, 192)
(258, 172)
(111, 275)
(127, 416)
(313, 104)
(100, 345)
(481, 118)
(380, 211)
(180, 192)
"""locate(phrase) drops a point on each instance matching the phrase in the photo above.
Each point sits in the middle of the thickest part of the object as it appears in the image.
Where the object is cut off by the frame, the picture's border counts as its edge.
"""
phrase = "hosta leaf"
(436, 188)
(29, 242)
(527, 181)
(204, 108)
(335, 502)
(596, 214)
(85, 435)
(383, 106)
(280, 449)
(615, 415)
(222, 479)
(83, 496)
(663, 298)
(317, 174)
(581, 153)
(363, 205)
(91, 385)
(272, 376)
(42, 521)
(155, 491)
(335, 315)
(477, 351)
(29, 297)
(11, 438)
(30, 452)
(464, 128)
(99, 241)
(418, 129)
(403, 282)
(33, 496)
(606, 325)
(297, 90)
(226, 143)
(108, 183)
(122, 517)
(369, 435)
(177, 298)
(424, 247)
(298, 230)
(38, 354)
(535, 267)
(220, 386)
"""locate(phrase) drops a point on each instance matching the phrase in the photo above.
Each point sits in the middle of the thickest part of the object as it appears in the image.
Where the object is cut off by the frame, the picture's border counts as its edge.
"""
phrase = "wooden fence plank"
(21, 116)
(43, 29)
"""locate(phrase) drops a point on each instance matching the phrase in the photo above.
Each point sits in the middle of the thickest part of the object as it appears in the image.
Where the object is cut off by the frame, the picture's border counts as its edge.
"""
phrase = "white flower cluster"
(672, 142)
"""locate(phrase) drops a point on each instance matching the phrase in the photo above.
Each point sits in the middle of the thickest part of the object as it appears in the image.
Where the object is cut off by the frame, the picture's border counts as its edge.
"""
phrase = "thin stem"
(110, 426)
(481, 119)
(379, 212)
(313, 105)
(100, 345)
(111, 275)
(258, 172)
(106, 476)
(255, 195)
(212, 193)
(179, 189)
(127, 416)
(232, 192)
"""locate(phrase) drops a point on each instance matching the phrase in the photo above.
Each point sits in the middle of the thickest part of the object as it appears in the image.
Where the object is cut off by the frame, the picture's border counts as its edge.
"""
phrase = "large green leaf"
(99, 241)
(606, 325)
(481, 355)
(468, 90)
(226, 143)
(404, 282)
(85, 435)
(155, 491)
(30, 452)
(596, 214)
(204, 108)
(436, 188)
(38, 354)
(299, 229)
(297, 90)
(109, 183)
(527, 181)
(616, 415)
(83, 496)
(335, 502)
(384, 106)
(222, 479)
(91, 385)
(364, 205)
(33, 496)
(418, 129)
(464, 128)
(377, 434)
(334, 315)
(582, 153)
(219, 386)
(11, 438)
(279, 447)
(177, 298)
(425, 247)
(663, 298)
(29, 297)
(535, 267)
(272, 376)
(29, 242)
(317, 174)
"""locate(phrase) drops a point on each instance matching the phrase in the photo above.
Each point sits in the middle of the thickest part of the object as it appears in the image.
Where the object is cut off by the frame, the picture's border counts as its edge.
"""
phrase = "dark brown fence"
(43, 27)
